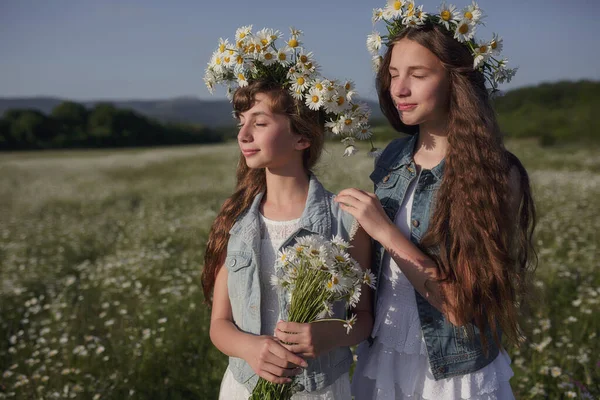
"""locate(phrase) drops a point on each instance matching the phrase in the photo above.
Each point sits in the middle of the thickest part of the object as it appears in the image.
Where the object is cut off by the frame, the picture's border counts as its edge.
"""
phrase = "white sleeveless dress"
(396, 366)
(273, 234)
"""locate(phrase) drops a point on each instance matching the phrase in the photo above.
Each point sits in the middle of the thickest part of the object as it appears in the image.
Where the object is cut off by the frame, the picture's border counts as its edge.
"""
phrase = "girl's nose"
(244, 134)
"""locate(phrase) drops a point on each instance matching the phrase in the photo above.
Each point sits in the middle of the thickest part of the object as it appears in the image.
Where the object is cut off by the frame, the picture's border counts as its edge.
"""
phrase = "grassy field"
(101, 252)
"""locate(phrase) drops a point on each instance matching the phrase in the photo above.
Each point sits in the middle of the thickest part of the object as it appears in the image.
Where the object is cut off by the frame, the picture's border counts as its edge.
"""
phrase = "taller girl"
(452, 214)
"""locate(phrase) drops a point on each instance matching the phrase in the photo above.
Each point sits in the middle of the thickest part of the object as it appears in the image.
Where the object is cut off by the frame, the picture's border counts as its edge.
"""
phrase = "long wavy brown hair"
(251, 182)
(480, 234)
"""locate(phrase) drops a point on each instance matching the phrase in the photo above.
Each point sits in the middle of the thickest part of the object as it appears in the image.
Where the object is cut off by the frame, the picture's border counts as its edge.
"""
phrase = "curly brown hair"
(251, 182)
(480, 234)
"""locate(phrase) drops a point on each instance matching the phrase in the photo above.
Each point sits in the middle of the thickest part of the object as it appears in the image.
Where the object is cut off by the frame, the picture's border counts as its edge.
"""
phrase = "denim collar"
(405, 157)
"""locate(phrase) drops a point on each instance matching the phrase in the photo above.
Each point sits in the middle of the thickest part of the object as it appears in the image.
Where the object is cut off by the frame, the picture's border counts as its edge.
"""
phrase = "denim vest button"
(442, 369)
(410, 169)
(232, 262)
(415, 223)
(386, 178)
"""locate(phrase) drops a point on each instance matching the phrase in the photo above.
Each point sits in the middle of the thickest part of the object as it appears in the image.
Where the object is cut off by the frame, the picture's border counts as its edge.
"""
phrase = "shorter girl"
(278, 200)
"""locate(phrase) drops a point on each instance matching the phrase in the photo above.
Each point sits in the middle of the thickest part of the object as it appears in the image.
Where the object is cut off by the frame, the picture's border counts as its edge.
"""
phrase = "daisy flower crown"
(399, 15)
(260, 56)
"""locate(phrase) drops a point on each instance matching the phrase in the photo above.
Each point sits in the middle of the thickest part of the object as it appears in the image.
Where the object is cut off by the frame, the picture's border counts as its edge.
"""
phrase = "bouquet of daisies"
(314, 274)
(262, 56)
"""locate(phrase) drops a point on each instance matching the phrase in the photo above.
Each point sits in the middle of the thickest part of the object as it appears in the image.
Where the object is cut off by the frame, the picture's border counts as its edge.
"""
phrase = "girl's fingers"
(287, 357)
(356, 193)
(348, 200)
(291, 326)
(287, 337)
(273, 378)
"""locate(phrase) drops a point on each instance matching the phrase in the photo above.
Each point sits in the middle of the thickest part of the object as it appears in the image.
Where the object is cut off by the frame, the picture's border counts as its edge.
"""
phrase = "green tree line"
(72, 125)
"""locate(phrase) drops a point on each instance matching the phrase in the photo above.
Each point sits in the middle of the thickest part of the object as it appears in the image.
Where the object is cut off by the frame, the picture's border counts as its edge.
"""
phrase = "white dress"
(396, 366)
(273, 234)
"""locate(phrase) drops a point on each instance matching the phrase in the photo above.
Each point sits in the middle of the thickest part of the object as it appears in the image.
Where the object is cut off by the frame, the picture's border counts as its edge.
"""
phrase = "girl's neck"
(432, 145)
(286, 194)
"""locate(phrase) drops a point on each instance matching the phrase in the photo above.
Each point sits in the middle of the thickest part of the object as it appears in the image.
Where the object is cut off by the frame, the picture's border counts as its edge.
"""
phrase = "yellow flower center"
(464, 28)
(341, 100)
(282, 56)
(419, 14)
(293, 43)
(347, 86)
(241, 77)
(319, 86)
(494, 45)
(218, 61)
(309, 65)
(227, 59)
(268, 56)
(335, 280)
(251, 48)
(264, 42)
(411, 8)
(240, 44)
(239, 59)
(303, 59)
(273, 37)
(231, 52)
(340, 258)
(242, 35)
(445, 15)
(221, 47)
(347, 121)
(397, 5)
(483, 49)
(300, 81)
(468, 15)
(315, 99)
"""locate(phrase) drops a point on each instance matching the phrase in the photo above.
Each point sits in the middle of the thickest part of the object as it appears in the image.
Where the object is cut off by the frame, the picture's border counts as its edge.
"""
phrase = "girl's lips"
(406, 106)
(249, 152)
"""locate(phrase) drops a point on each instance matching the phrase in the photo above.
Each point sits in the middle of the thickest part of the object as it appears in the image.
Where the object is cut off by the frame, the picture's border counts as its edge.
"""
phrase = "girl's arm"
(419, 269)
(268, 358)
(314, 339)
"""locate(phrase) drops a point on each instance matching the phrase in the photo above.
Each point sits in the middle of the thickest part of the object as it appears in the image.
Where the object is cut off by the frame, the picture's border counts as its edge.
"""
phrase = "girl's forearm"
(229, 339)
(418, 268)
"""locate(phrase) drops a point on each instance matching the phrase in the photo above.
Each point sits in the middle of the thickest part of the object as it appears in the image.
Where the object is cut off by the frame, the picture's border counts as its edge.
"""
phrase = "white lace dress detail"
(397, 366)
(273, 235)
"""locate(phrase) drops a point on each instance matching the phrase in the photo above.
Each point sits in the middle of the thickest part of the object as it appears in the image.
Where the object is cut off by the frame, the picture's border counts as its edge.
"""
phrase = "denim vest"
(452, 350)
(321, 216)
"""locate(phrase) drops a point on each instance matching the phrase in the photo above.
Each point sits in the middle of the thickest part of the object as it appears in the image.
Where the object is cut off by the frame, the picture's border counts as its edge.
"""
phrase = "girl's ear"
(302, 143)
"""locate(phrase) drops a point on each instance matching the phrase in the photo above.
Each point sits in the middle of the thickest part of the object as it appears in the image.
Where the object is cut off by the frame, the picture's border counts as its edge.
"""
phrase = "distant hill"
(183, 109)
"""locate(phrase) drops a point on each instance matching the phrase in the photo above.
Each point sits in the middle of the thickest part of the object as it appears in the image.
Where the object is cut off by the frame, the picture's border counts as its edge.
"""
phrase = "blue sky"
(148, 49)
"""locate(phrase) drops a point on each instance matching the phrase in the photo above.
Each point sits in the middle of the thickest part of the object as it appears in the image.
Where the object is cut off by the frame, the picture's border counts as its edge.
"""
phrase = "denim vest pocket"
(383, 178)
(237, 264)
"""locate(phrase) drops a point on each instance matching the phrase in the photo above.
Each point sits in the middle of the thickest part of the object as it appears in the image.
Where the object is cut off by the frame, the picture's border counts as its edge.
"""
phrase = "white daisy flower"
(306, 60)
(350, 123)
(481, 53)
(349, 89)
(363, 132)
(417, 17)
(464, 31)
(448, 15)
(354, 296)
(374, 43)
(340, 243)
(216, 62)
(268, 57)
(496, 44)
(472, 13)
(393, 9)
(369, 279)
(377, 15)
(223, 45)
(294, 43)
(320, 85)
(300, 83)
(314, 99)
(335, 126)
(284, 56)
(410, 10)
(334, 284)
(210, 80)
(267, 36)
(241, 34)
(376, 62)
(350, 151)
(242, 80)
(350, 323)
(297, 94)
(295, 32)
